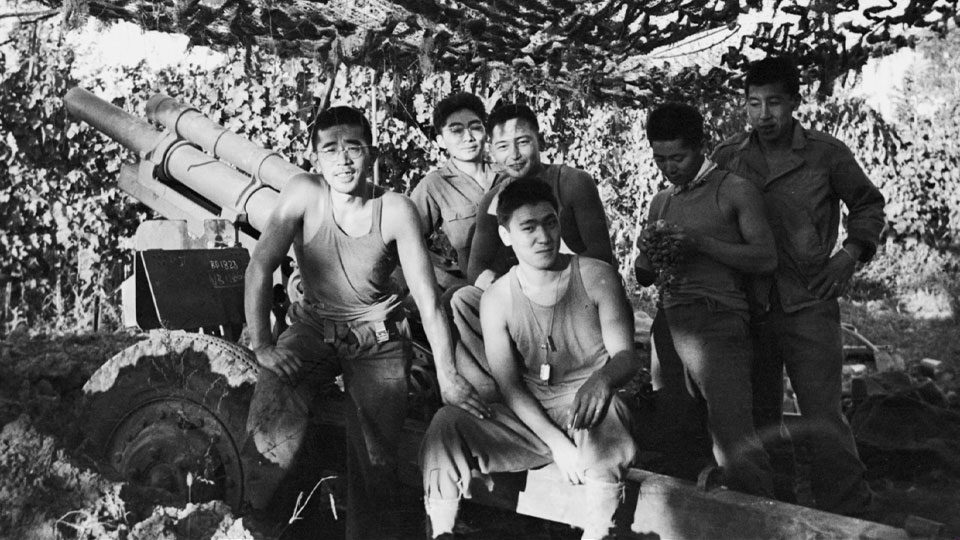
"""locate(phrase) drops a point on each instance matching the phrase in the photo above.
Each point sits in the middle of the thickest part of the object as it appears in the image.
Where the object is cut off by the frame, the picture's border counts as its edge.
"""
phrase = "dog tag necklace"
(546, 343)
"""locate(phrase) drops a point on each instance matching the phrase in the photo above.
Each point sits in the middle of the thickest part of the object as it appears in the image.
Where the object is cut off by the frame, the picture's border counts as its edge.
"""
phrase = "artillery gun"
(170, 411)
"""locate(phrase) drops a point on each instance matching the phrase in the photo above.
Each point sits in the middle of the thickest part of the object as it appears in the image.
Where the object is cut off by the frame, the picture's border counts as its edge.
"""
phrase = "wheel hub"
(181, 447)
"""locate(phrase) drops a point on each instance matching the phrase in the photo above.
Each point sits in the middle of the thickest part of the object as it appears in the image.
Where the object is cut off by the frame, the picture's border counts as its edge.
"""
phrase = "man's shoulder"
(301, 193)
(731, 144)
(569, 176)
(430, 182)
(729, 177)
(658, 198)
(735, 186)
(498, 294)
(824, 139)
(305, 181)
(392, 199)
(595, 268)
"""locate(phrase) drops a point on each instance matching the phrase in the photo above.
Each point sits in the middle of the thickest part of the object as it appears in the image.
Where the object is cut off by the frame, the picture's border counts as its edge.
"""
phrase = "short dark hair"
(458, 102)
(773, 70)
(340, 116)
(521, 193)
(509, 111)
(672, 121)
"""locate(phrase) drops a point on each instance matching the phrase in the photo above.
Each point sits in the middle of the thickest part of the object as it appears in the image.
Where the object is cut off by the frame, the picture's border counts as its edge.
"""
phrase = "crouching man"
(558, 334)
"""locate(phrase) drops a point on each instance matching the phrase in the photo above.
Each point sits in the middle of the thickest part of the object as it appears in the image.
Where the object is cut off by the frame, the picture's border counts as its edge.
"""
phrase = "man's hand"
(832, 281)
(687, 243)
(591, 402)
(645, 239)
(283, 364)
(567, 458)
(457, 391)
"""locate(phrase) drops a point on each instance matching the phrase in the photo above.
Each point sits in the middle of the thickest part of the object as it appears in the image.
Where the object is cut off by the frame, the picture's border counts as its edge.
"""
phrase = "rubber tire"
(150, 410)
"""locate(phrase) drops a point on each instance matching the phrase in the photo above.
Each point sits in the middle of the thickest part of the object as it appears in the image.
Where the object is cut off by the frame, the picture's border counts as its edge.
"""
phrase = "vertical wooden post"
(7, 293)
(374, 124)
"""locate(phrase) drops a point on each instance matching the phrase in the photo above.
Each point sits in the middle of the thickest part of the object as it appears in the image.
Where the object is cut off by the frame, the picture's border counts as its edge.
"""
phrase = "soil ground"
(40, 385)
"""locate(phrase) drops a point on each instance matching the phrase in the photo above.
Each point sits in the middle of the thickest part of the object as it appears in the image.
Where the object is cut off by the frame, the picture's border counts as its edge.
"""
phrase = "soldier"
(714, 224)
(559, 338)
(515, 146)
(448, 197)
(803, 175)
(347, 323)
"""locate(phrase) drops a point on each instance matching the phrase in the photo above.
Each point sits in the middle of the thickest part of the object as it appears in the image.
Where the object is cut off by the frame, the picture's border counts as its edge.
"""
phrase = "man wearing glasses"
(348, 237)
(447, 198)
(515, 141)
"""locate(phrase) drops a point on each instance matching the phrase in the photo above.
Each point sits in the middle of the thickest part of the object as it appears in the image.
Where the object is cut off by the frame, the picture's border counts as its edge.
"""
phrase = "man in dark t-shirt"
(702, 235)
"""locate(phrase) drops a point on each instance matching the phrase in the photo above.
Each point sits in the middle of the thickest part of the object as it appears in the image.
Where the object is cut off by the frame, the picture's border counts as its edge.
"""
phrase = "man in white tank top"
(348, 322)
(558, 332)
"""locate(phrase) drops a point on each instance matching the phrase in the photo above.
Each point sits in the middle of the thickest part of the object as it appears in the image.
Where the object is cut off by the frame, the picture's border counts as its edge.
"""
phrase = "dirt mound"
(46, 496)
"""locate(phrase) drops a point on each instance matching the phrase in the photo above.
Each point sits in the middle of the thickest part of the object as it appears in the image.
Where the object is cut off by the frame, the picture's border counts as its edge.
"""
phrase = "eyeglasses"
(352, 152)
(459, 131)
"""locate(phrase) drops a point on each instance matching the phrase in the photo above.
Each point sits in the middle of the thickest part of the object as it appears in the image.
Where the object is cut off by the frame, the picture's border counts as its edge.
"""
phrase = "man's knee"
(277, 419)
(465, 302)
(446, 423)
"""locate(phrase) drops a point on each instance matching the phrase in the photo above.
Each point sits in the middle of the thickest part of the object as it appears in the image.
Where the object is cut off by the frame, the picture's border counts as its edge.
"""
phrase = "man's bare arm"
(400, 212)
(757, 254)
(605, 288)
(285, 221)
(504, 368)
(591, 218)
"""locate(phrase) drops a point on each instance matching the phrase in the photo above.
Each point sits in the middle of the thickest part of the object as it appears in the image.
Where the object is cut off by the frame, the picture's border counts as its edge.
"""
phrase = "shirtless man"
(347, 323)
(804, 175)
(447, 198)
(717, 223)
(515, 145)
(559, 337)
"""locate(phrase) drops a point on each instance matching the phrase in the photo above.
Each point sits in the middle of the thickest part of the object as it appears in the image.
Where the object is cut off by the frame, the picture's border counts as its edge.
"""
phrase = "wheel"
(170, 412)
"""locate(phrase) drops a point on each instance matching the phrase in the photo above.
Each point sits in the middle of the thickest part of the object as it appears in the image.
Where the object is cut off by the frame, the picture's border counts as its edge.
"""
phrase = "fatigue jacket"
(447, 199)
(803, 207)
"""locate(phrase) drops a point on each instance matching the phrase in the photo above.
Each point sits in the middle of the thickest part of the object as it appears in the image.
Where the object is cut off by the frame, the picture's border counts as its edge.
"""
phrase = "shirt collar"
(449, 170)
(705, 169)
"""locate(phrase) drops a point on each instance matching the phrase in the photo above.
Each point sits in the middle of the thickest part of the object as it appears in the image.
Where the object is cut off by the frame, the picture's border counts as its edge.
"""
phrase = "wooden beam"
(669, 507)
(674, 509)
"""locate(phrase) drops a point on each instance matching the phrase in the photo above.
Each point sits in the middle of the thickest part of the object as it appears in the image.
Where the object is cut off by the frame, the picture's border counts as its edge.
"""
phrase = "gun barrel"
(220, 183)
(194, 126)
(128, 130)
(207, 177)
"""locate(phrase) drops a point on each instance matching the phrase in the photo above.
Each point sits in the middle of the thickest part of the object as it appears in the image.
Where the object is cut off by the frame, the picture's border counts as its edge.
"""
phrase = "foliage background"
(65, 243)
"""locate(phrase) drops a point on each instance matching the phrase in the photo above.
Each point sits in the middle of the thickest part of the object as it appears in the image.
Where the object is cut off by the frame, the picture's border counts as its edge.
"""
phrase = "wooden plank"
(668, 507)
(675, 509)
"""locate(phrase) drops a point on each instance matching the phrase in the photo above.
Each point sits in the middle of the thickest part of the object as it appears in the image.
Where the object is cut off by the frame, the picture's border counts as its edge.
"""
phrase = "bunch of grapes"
(664, 252)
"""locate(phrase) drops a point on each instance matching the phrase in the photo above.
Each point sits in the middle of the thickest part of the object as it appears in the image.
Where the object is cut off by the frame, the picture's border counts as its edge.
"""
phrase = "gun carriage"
(170, 411)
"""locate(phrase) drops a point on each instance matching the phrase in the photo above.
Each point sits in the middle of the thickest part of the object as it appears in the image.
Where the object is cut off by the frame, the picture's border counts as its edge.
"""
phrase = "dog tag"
(329, 331)
(545, 373)
(381, 330)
